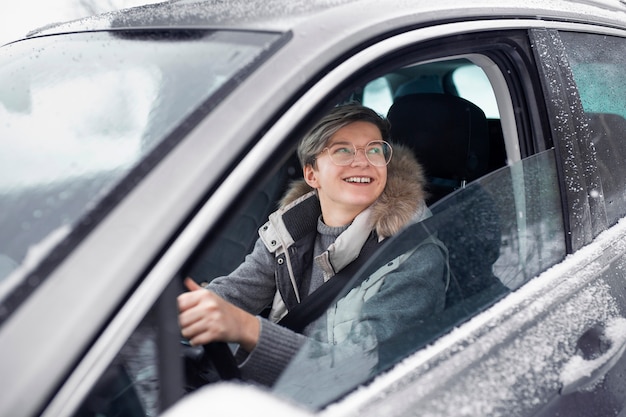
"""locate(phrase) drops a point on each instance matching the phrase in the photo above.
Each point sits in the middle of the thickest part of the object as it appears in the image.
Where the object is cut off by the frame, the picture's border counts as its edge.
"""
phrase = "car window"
(500, 223)
(472, 83)
(499, 232)
(93, 106)
(597, 63)
(378, 95)
(462, 78)
(144, 377)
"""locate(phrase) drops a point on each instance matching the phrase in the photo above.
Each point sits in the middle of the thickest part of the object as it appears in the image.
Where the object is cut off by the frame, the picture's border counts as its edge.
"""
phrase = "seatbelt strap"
(316, 303)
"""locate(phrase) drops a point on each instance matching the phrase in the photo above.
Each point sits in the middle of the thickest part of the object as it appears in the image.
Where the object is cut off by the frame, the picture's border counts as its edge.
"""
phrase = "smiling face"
(345, 191)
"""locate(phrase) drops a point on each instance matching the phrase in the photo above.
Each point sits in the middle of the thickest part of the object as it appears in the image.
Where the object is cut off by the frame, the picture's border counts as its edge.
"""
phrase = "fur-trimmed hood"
(402, 200)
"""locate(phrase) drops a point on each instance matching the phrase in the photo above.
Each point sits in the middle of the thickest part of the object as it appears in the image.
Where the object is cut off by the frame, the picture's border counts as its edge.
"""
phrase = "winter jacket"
(409, 287)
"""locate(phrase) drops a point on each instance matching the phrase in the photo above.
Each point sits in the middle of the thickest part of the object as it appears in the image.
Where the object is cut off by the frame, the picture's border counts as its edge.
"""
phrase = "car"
(143, 146)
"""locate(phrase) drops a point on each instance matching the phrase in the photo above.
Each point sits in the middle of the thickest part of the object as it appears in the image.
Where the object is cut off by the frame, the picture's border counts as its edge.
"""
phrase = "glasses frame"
(356, 151)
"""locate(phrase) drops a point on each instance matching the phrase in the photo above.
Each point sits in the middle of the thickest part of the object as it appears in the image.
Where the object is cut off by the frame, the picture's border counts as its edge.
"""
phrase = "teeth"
(359, 179)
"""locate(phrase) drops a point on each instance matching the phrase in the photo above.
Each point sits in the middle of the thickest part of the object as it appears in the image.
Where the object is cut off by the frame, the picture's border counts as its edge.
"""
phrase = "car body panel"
(269, 15)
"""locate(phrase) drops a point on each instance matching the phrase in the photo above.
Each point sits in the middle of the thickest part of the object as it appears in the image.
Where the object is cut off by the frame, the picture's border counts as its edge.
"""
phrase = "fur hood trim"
(402, 200)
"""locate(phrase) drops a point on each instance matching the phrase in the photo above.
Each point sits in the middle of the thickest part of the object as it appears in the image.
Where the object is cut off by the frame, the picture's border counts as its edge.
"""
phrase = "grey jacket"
(410, 287)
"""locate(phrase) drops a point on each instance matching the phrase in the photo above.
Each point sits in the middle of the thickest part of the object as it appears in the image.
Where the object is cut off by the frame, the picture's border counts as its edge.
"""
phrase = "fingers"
(192, 285)
(192, 298)
(201, 314)
(205, 317)
(201, 306)
(202, 331)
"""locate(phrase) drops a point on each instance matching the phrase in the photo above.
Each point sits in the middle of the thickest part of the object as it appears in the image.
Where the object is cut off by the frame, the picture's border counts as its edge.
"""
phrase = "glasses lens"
(341, 154)
(378, 153)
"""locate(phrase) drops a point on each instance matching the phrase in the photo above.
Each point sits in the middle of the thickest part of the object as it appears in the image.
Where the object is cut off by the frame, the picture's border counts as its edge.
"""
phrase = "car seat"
(237, 239)
(449, 135)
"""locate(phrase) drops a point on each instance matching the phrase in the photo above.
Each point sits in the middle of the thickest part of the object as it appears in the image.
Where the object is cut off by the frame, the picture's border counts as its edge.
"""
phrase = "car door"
(503, 352)
(554, 345)
(552, 341)
(592, 61)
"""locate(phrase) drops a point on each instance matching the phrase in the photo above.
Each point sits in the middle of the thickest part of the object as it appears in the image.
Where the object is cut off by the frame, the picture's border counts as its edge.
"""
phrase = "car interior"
(451, 136)
(446, 112)
(456, 143)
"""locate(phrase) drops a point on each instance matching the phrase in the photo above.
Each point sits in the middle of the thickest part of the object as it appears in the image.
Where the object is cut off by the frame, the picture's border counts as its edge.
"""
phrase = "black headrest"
(448, 134)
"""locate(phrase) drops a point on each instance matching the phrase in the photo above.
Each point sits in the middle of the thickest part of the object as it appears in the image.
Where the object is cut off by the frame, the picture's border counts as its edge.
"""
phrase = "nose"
(360, 159)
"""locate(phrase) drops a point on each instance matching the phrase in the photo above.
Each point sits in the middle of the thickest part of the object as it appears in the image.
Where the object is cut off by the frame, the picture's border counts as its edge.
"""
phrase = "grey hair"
(315, 141)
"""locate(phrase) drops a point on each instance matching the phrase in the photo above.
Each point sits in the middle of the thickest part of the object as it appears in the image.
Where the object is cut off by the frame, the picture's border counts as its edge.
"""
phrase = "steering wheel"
(207, 364)
(222, 358)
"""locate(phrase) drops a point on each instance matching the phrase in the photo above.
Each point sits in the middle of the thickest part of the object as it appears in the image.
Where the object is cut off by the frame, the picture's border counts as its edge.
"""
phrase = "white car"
(143, 146)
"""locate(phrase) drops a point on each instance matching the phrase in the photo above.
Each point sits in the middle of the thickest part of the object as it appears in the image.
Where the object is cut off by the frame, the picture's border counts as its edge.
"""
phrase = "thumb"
(192, 285)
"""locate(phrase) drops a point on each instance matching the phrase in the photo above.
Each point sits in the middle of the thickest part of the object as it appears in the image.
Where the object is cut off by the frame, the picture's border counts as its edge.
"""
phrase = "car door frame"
(586, 215)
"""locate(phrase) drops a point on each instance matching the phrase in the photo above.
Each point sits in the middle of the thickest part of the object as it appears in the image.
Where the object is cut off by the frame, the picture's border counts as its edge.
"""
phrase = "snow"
(226, 399)
(33, 257)
(583, 374)
(512, 358)
(17, 18)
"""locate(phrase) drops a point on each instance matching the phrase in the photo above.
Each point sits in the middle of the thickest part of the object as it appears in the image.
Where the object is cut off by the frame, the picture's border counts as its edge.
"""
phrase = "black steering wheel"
(221, 357)
(209, 363)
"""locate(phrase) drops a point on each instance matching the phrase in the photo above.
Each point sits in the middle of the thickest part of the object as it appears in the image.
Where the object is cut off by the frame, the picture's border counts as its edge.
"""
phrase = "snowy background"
(20, 17)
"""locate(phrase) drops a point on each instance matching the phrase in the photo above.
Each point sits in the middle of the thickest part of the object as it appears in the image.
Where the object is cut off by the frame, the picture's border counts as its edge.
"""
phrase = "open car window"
(498, 232)
(496, 222)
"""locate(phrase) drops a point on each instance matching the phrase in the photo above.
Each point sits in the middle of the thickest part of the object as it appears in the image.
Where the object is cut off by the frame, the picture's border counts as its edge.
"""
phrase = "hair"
(315, 141)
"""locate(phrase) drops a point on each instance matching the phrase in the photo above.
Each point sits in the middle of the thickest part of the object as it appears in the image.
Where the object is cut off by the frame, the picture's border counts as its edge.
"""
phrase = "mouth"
(358, 180)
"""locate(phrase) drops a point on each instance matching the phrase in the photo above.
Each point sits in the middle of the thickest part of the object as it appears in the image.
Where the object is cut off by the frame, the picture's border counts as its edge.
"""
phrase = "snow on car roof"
(282, 15)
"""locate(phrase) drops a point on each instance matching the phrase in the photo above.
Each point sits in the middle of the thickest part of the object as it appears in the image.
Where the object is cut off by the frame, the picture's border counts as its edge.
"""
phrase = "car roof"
(285, 15)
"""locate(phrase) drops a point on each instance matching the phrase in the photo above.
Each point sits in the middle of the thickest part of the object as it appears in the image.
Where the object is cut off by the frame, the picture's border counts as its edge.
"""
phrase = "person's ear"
(310, 176)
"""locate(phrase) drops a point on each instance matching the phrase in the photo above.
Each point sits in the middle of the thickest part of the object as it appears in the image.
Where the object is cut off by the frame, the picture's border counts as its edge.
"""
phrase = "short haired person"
(354, 193)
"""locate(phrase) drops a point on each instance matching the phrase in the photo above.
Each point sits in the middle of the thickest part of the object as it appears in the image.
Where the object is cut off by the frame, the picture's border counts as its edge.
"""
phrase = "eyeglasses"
(377, 152)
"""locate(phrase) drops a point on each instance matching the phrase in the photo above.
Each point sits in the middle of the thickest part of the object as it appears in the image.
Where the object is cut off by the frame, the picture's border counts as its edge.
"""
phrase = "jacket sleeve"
(252, 285)
(276, 347)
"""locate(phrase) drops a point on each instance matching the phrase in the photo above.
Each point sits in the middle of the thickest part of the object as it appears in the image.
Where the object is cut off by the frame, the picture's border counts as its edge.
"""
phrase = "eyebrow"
(341, 142)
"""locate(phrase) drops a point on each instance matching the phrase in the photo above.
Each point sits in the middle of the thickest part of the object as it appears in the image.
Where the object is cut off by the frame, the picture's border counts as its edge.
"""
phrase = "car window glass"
(499, 232)
(80, 111)
(130, 386)
(145, 377)
(472, 83)
(467, 80)
(377, 95)
(598, 63)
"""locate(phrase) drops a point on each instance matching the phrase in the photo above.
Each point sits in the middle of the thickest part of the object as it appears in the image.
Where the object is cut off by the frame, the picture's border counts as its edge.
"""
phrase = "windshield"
(79, 111)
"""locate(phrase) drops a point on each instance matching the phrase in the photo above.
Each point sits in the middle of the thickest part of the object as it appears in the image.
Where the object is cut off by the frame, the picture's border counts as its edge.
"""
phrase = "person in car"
(353, 195)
